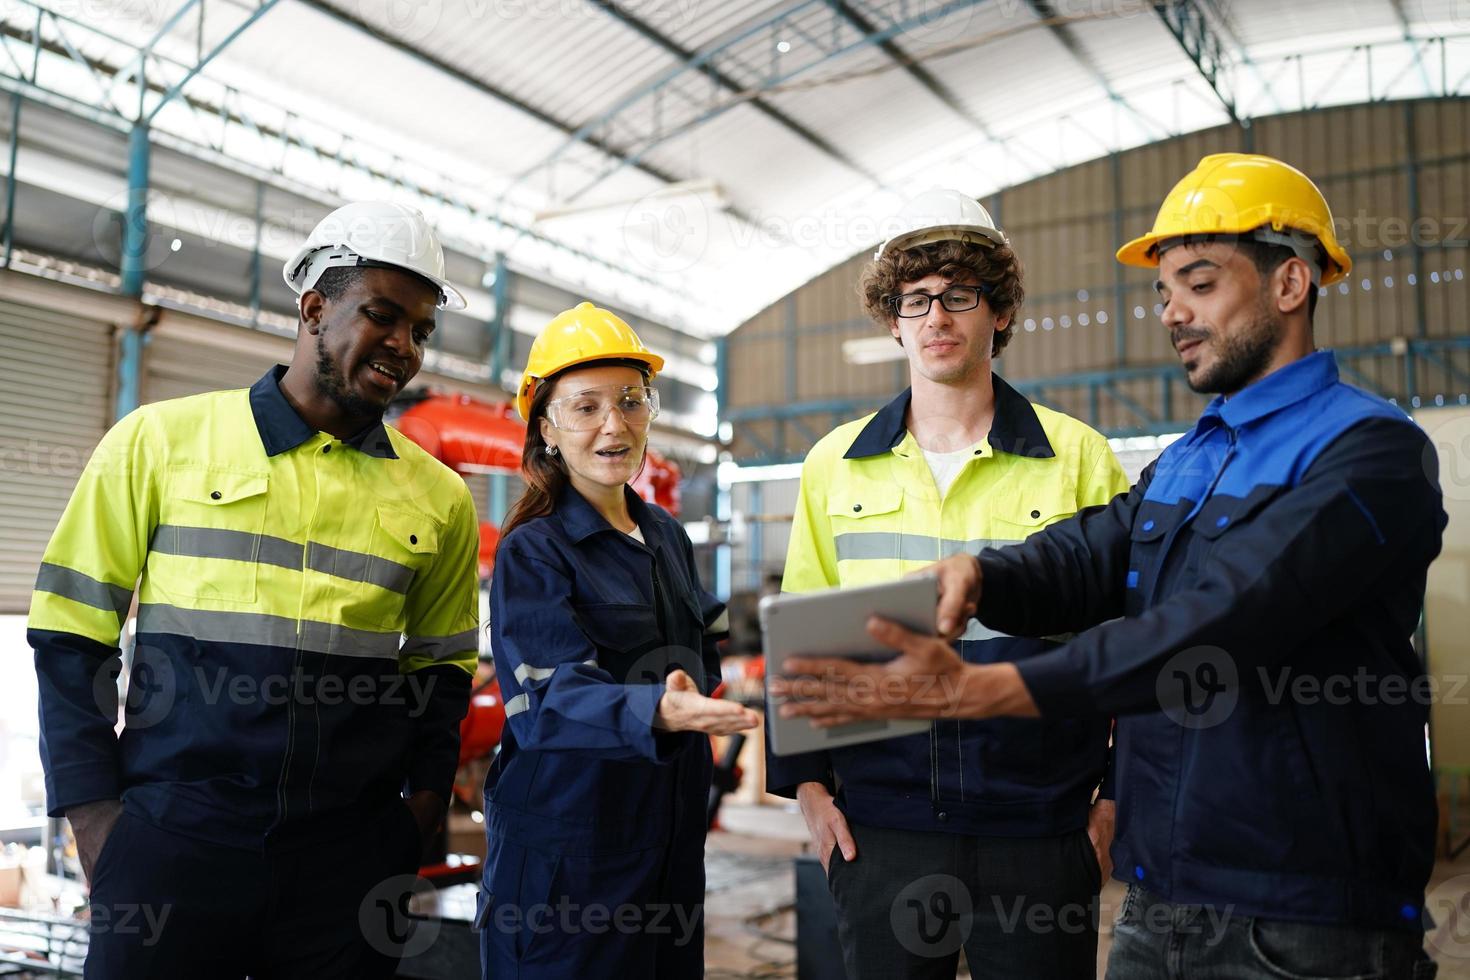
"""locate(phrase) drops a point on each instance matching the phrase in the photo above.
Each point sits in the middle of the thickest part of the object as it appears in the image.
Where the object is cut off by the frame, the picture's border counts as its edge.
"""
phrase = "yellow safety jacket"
(306, 628)
(868, 511)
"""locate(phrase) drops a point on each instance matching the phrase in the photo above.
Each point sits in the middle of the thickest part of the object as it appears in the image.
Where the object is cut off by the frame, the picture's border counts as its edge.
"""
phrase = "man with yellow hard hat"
(1248, 609)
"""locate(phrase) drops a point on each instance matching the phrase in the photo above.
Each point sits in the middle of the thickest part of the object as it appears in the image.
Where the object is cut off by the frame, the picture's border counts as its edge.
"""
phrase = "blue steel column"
(500, 321)
(499, 498)
(11, 179)
(134, 267)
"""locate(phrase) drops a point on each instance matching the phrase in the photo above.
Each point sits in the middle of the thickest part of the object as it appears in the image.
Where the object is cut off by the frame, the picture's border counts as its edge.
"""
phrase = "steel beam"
(698, 112)
(476, 83)
(615, 10)
(1192, 28)
(1056, 24)
(923, 76)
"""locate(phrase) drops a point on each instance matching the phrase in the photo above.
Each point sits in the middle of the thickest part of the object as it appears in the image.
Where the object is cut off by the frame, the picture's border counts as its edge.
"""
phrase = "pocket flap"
(864, 500)
(216, 487)
(619, 625)
(413, 531)
(1220, 514)
(1043, 507)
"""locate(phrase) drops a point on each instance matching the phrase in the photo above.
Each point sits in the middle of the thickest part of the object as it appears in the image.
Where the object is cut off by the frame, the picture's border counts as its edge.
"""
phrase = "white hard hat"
(941, 215)
(372, 233)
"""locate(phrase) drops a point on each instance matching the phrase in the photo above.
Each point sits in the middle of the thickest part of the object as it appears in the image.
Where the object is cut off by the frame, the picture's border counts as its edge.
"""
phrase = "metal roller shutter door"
(178, 365)
(54, 409)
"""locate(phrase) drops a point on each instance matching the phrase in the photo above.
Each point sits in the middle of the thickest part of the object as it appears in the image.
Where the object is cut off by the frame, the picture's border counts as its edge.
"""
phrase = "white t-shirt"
(636, 534)
(946, 466)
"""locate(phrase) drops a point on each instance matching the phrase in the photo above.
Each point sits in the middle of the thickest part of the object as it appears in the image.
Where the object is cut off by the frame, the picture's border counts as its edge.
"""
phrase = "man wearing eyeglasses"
(981, 835)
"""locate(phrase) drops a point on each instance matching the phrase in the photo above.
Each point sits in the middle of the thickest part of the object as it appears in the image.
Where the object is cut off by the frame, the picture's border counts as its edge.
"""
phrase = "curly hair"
(996, 268)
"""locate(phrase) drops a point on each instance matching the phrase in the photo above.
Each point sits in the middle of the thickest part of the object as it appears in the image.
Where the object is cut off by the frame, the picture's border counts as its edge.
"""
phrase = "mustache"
(1183, 335)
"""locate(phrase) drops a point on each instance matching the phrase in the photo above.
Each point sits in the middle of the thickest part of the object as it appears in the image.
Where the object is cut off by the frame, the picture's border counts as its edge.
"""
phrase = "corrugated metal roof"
(794, 174)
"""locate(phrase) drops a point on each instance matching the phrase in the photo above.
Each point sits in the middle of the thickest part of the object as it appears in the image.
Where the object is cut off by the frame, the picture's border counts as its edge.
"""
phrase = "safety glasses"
(588, 409)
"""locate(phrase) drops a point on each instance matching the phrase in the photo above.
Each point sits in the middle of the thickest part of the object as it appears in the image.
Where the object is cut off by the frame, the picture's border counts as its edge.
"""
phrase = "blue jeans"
(1158, 940)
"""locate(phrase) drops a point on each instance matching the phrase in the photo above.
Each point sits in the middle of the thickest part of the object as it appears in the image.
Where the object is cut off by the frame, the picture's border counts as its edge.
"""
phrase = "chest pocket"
(405, 544)
(1019, 512)
(208, 540)
(628, 642)
(866, 519)
(1151, 526)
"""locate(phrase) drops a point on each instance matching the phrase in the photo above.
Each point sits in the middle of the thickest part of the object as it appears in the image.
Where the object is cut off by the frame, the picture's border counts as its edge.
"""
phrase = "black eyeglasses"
(955, 299)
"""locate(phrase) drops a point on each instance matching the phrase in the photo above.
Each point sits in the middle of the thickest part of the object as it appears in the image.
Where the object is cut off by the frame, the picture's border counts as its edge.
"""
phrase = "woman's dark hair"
(546, 476)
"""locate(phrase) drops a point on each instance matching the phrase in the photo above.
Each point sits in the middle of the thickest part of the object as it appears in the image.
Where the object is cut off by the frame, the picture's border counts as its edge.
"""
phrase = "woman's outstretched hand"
(683, 709)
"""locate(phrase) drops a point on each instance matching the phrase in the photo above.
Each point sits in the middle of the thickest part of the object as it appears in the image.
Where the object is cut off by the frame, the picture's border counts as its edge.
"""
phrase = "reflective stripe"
(720, 625)
(902, 546)
(213, 626)
(218, 542)
(979, 631)
(81, 587)
(358, 567)
(517, 704)
(525, 672)
(439, 647)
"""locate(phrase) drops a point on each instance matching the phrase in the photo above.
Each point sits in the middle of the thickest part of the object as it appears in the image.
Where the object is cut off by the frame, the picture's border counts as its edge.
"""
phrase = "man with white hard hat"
(306, 635)
(979, 835)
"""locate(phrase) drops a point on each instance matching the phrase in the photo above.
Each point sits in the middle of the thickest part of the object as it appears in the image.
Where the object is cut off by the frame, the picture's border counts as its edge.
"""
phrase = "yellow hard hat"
(1241, 194)
(576, 336)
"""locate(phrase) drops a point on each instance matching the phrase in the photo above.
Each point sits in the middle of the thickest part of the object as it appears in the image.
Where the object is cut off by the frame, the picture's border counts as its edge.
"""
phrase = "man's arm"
(83, 591)
(440, 650)
(1371, 501)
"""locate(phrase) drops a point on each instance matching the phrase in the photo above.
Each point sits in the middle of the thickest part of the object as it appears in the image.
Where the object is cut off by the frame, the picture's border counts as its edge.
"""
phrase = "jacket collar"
(581, 520)
(282, 429)
(1016, 429)
(1286, 386)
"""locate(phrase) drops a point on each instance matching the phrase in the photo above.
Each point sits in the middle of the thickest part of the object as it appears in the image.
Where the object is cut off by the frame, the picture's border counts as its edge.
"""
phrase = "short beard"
(331, 385)
(1242, 358)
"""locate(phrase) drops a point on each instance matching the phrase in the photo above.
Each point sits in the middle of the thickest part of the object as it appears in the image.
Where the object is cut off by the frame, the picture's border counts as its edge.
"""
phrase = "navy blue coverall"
(1257, 590)
(595, 819)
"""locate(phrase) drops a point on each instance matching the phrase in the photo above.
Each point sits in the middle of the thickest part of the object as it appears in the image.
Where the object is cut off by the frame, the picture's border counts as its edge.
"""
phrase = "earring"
(551, 450)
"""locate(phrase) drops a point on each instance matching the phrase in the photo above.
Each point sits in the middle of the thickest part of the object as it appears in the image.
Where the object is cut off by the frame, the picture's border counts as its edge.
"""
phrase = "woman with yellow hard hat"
(604, 643)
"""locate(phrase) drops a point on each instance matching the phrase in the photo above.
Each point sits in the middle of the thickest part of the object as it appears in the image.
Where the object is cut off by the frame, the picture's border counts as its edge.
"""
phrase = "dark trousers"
(165, 906)
(545, 915)
(1021, 908)
(1158, 940)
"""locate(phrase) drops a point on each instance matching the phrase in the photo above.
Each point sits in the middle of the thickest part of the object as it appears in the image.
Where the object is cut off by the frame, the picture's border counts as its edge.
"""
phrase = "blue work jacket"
(1258, 589)
(586, 622)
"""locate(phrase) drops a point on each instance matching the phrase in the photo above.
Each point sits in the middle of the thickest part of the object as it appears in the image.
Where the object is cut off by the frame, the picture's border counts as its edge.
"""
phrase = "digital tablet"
(832, 623)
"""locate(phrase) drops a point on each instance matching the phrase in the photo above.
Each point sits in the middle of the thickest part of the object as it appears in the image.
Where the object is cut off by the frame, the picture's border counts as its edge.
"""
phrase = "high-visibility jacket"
(869, 512)
(271, 683)
(1257, 592)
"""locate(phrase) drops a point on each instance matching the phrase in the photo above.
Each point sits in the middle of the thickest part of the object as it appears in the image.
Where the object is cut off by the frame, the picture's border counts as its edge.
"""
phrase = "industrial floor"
(751, 927)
